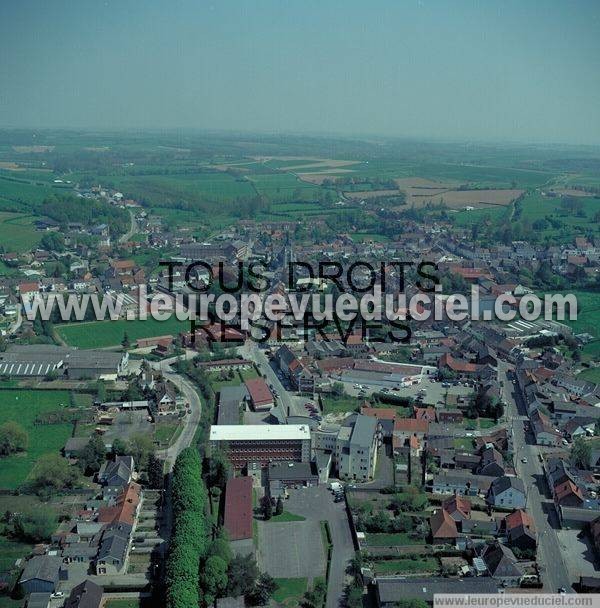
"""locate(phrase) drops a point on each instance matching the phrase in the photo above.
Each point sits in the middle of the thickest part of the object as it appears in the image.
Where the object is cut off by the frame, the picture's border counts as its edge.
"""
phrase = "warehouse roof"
(259, 391)
(40, 359)
(395, 588)
(257, 432)
(238, 508)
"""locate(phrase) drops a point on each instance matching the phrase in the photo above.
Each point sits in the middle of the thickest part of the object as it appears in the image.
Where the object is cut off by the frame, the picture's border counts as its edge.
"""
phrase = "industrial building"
(39, 360)
(262, 443)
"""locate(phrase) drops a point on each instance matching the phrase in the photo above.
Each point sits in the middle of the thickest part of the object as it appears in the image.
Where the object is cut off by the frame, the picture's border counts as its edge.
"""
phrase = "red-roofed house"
(238, 508)
(568, 494)
(458, 507)
(28, 290)
(518, 518)
(443, 528)
(463, 368)
(260, 394)
(425, 413)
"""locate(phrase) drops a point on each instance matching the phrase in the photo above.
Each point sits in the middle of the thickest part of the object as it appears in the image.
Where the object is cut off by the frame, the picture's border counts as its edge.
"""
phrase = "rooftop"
(258, 432)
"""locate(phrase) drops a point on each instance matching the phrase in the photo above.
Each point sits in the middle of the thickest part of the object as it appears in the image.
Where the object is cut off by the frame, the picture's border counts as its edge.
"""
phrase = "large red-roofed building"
(238, 508)
(260, 394)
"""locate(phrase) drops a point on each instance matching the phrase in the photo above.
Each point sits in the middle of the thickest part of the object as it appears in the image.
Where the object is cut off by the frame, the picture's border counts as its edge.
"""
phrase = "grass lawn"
(591, 375)
(591, 351)
(361, 237)
(290, 590)
(10, 551)
(391, 539)
(588, 312)
(287, 516)
(166, 432)
(138, 563)
(128, 603)
(407, 566)
(336, 405)
(463, 443)
(17, 232)
(7, 602)
(100, 334)
(218, 379)
(486, 423)
(23, 407)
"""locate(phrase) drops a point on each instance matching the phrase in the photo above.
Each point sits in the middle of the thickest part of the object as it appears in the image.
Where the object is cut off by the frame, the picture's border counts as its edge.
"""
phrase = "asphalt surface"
(553, 570)
(317, 504)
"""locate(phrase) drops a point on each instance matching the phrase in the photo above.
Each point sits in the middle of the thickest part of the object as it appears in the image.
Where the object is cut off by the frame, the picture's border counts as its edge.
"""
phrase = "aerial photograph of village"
(299, 303)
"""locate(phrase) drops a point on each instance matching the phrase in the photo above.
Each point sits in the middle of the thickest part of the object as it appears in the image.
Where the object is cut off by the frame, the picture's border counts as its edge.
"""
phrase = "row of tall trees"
(189, 539)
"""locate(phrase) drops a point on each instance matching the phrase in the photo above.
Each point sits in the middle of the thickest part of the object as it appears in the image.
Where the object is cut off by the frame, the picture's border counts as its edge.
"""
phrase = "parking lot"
(291, 549)
(434, 392)
(296, 549)
(577, 553)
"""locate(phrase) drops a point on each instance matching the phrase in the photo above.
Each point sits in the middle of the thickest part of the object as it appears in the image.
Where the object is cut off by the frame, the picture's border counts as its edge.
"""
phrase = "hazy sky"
(492, 69)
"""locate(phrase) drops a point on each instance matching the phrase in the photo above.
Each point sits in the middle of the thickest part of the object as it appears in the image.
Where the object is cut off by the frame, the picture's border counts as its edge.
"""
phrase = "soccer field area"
(104, 334)
(23, 407)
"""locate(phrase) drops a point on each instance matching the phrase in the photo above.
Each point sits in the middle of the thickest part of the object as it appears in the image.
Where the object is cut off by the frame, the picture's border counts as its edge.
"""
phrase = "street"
(553, 570)
(293, 406)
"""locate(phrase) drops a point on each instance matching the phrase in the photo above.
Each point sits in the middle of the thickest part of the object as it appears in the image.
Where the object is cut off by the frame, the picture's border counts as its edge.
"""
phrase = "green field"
(537, 207)
(392, 539)
(463, 443)
(336, 405)
(289, 591)
(588, 314)
(285, 187)
(23, 407)
(468, 218)
(217, 381)
(10, 551)
(166, 190)
(23, 193)
(362, 237)
(102, 334)
(591, 375)
(17, 232)
(406, 566)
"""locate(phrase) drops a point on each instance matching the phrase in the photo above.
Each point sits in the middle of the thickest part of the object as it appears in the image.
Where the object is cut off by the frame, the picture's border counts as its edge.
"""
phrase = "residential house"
(492, 462)
(166, 398)
(544, 432)
(507, 492)
(117, 473)
(458, 507)
(519, 530)
(41, 574)
(443, 528)
(85, 595)
(502, 564)
(460, 483)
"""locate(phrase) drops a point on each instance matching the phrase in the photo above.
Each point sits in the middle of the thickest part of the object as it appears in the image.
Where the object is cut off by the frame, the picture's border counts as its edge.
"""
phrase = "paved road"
(553, 569)
(132, 228)
(291, 404)
(18, 322)
(184, 440)
(191, 421)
